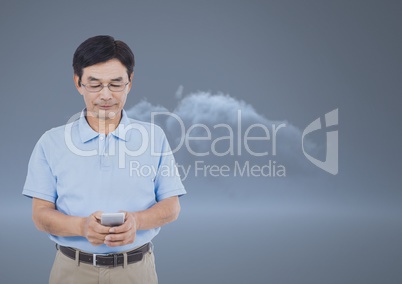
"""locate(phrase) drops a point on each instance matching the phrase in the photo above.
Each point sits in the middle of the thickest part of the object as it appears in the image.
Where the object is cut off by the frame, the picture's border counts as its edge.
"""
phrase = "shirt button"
(101, 137)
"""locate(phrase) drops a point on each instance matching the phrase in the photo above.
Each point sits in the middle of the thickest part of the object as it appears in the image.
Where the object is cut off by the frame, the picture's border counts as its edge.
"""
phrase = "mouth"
(105, 106)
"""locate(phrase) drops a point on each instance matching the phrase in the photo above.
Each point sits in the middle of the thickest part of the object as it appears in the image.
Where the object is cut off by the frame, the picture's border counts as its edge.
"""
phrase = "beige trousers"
(66, 271)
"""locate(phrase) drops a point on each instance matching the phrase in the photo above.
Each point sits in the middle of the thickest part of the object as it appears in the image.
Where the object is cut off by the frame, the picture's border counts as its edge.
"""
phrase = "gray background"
(290, 60)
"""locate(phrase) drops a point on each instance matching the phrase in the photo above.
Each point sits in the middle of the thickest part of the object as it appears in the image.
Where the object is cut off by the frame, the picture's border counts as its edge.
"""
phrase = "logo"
(330, 164)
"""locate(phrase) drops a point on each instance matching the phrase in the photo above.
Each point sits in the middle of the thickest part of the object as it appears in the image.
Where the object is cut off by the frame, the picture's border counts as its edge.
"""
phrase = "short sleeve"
(167, 181)
(40, 182)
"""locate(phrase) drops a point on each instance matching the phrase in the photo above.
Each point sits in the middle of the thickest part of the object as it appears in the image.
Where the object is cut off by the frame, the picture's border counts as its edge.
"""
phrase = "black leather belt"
(111, 260)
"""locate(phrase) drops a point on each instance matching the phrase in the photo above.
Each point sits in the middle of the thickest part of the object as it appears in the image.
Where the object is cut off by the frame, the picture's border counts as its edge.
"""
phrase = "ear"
(131, 81)
(76, 82)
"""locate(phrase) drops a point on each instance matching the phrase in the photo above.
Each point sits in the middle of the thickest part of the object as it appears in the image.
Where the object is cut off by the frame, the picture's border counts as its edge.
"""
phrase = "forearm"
(54, 222)
(161, 213)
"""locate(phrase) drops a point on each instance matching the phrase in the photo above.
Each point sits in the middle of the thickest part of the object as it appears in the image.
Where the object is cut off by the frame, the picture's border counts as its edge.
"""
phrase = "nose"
(105, 93)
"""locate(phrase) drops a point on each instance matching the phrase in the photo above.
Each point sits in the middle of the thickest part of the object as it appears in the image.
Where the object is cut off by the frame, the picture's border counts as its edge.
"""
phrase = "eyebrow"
(118, 79)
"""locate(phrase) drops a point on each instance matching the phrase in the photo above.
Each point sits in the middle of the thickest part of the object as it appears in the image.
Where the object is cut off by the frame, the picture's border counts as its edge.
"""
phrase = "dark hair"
(99, 49)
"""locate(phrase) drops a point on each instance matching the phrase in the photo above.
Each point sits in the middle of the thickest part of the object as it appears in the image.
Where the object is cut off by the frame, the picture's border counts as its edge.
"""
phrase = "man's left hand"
(123, 234)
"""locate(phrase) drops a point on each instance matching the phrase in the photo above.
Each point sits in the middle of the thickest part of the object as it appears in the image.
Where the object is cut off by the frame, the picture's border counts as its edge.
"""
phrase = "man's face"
(104, 104)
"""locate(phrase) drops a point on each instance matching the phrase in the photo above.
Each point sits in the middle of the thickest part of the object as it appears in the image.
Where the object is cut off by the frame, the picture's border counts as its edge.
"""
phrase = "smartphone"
(112, 219)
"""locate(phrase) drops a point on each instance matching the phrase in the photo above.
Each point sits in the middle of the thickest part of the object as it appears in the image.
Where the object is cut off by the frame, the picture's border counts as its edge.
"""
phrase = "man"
(103, 162)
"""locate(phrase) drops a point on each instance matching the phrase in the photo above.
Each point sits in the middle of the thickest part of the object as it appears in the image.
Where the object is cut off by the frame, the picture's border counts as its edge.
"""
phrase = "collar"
(87, 133)
(121, 131)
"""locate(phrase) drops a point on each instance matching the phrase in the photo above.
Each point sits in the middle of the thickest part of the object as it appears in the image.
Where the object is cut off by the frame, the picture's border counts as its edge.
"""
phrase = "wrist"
(82, 222)
(136, 220)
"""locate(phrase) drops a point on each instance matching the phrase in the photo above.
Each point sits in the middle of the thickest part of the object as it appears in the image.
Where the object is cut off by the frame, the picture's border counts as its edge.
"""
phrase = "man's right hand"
(48, 219)
(93, 230)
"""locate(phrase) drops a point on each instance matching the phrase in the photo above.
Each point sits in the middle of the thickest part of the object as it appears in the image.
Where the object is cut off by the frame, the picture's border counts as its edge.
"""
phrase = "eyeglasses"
(113, 87)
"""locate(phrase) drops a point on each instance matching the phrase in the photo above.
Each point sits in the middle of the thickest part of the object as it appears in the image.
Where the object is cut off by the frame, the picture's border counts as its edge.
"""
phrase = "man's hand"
(48, 219)
(123, 234)
(93, 230)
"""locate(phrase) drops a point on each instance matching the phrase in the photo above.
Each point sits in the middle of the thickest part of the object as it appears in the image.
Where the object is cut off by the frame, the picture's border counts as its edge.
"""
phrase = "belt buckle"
(94, 258)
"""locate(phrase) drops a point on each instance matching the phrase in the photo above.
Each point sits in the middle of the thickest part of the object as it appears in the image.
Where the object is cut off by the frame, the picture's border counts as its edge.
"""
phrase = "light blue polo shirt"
(82, 171)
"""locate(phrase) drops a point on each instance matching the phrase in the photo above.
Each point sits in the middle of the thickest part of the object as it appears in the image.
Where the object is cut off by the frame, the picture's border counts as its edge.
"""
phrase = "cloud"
(179, 92)
(218, 129)
(142, 111)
